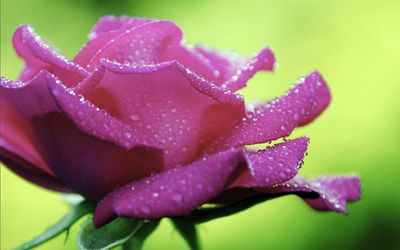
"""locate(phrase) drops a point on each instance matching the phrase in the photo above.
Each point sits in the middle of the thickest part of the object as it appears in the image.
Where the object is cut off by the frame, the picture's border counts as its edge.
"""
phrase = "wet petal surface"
(39, 56)
(171, 193)
(166, 104)
(278, 118)
(273, 165)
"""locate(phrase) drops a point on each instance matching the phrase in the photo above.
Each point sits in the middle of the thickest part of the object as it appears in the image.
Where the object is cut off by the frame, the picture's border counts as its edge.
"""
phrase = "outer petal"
(38, 56)
(92, 166)
(273, 165)
(330, 192)
(233, 71)
(30, 172)
(167, 104)
(171, 193)
(279, 117)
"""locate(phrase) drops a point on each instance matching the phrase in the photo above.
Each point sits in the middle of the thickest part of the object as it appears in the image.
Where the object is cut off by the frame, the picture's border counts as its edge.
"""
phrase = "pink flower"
(152, 127)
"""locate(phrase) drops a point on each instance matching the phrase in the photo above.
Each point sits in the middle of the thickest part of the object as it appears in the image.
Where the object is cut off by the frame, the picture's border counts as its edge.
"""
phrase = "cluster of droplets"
(180, 189)
(277, 163)
(277, 118)
(46, 52)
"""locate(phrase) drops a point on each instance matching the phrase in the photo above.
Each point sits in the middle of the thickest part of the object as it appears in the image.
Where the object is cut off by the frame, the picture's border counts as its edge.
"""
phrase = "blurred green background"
(356, 46)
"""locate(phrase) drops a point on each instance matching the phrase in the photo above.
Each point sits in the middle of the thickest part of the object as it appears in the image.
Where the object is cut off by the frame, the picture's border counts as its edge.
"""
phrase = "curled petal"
(59, 120)
(278, 118)
(39, 56)
(233, 71)
(329, 193)
(273, 165)
(166, 104)
(171, 193)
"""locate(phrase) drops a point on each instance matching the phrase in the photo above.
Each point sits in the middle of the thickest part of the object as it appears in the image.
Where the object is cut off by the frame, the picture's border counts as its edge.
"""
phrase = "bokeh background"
(356, 46)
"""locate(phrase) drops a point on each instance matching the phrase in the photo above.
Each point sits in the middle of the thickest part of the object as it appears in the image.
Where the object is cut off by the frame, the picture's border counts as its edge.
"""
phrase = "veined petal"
(39, 56)
(278, 118)
(165, 103)
(171, 193)
(273, 165)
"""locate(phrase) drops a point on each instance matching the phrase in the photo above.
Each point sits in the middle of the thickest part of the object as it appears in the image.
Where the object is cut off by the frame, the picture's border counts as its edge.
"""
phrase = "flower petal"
(106, 29)
(150, 43)
(233, 71)
(112, 23)
(330, 192)
(30, 172)
(38, 56)
(171, 193)
(166, 104)
(278, 118)
(273, 165)
(57, 116)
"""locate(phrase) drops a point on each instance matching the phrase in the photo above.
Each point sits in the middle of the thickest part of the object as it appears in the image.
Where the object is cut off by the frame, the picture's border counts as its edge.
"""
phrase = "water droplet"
(155, 195)
(177, 197)
(145, 209)
(135, 117)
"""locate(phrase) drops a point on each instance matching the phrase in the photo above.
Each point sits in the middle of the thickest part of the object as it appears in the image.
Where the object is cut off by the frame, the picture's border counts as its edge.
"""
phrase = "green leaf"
(137, 240)
(70, 218)
(109, 236)
(188, 231)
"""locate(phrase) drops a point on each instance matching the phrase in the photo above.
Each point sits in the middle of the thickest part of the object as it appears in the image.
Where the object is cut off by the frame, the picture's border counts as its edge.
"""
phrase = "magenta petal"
(171, 193)
(165, 104)
(233, 71)
(273, 165)
(30, 172)
(106, 29)
(333, 192)
(38, 56)
(112, 23)
(276, 119)
(74, 138)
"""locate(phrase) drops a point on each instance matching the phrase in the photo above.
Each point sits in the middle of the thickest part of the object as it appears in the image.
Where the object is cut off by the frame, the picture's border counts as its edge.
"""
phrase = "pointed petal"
(67, 127)
(273, 165)
(330, 193)
(38, 56)
(233, 71)
(171, 193)
(278, 118)
(166, 104)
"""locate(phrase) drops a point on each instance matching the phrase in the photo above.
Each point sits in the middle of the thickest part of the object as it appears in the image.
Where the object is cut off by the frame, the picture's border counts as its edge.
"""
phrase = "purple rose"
(149, 127)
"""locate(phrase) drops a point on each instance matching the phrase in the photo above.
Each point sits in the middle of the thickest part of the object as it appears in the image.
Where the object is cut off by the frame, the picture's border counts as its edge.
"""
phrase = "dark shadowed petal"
(88, 150)
(171, 193)
(165, 104)
(277, 118)
(273, 165)
(26, 170)
(232, 71)
(330, 192)
(38, 56)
